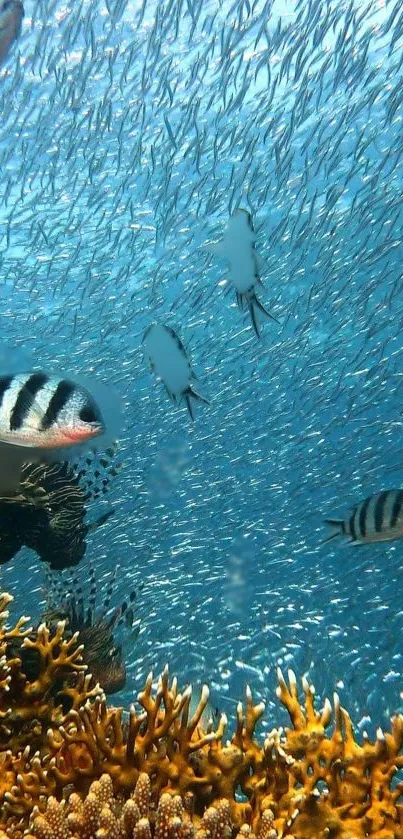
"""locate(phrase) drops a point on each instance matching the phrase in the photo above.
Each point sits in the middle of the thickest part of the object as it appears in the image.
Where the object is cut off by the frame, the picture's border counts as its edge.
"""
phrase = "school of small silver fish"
(230, 172)
(11, 15)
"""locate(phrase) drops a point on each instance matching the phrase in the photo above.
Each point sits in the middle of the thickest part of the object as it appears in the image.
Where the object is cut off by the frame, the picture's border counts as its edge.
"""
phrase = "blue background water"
(103, 220)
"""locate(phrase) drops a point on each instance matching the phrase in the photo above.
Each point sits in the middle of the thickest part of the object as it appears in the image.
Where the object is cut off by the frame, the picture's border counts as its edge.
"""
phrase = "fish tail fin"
(191, 392)
(189, 405)
(255, 322)
(198, 396)
(336, 526)
(263, 309)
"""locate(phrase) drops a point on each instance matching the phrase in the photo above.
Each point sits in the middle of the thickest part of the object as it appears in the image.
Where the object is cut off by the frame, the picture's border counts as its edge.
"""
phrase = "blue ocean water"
(129, 134)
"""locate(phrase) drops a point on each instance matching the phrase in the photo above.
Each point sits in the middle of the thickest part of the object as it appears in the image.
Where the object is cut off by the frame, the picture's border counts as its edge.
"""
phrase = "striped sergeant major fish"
(237, 247)
(168, 359)
(41, 416)
(378, 518)
(11, 15)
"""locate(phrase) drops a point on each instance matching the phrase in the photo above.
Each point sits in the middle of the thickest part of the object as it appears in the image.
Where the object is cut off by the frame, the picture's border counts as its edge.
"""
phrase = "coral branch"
(155, 773)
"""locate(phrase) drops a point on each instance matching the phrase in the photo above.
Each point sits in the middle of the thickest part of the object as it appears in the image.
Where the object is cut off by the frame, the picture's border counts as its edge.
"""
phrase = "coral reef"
(155, 773)
(97, 623)
(29, 707)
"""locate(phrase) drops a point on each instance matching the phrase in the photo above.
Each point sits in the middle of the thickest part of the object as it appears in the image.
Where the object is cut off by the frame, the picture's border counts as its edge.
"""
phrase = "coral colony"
(73, 768)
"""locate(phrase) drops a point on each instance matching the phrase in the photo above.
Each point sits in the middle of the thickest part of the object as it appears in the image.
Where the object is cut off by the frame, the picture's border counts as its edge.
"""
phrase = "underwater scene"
(201, 419)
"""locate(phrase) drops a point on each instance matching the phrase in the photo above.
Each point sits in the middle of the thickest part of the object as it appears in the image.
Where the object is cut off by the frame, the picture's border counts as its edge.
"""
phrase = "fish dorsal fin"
(109, 592)
(95, 473)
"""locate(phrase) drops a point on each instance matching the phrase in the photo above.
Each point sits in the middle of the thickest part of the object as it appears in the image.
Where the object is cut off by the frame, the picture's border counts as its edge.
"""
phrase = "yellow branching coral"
(28, 707)
(156, 774)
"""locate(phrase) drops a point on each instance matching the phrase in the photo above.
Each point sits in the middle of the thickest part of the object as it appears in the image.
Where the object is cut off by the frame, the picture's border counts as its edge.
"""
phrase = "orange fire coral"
(156, 774)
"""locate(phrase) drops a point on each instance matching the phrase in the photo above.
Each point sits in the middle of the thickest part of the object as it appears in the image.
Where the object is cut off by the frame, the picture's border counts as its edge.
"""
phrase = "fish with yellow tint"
(379, 518)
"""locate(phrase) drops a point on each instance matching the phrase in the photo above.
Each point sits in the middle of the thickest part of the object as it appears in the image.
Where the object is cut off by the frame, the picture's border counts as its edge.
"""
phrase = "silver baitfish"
(41, 414)
(11, 15)
(237, 247)
(378, 518)
(169, 361)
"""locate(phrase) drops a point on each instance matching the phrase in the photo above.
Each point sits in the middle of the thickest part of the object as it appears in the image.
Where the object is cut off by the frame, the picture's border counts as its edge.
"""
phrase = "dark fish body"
(169, 361)
(11, 15)
(47, 515)
(378, 518)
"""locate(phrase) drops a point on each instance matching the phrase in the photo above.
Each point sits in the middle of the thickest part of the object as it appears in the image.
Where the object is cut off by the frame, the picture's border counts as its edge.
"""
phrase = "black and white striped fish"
(169, 361)
(11, 15)
(42, 413)
(237, 247)
(378, 518)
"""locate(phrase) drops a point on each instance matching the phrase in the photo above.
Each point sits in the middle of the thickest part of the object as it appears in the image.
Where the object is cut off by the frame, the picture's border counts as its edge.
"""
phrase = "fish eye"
(88, 414)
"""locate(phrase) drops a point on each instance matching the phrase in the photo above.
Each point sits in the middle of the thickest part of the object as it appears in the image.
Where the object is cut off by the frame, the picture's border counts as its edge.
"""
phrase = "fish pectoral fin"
(100, 521)
(34, 495)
